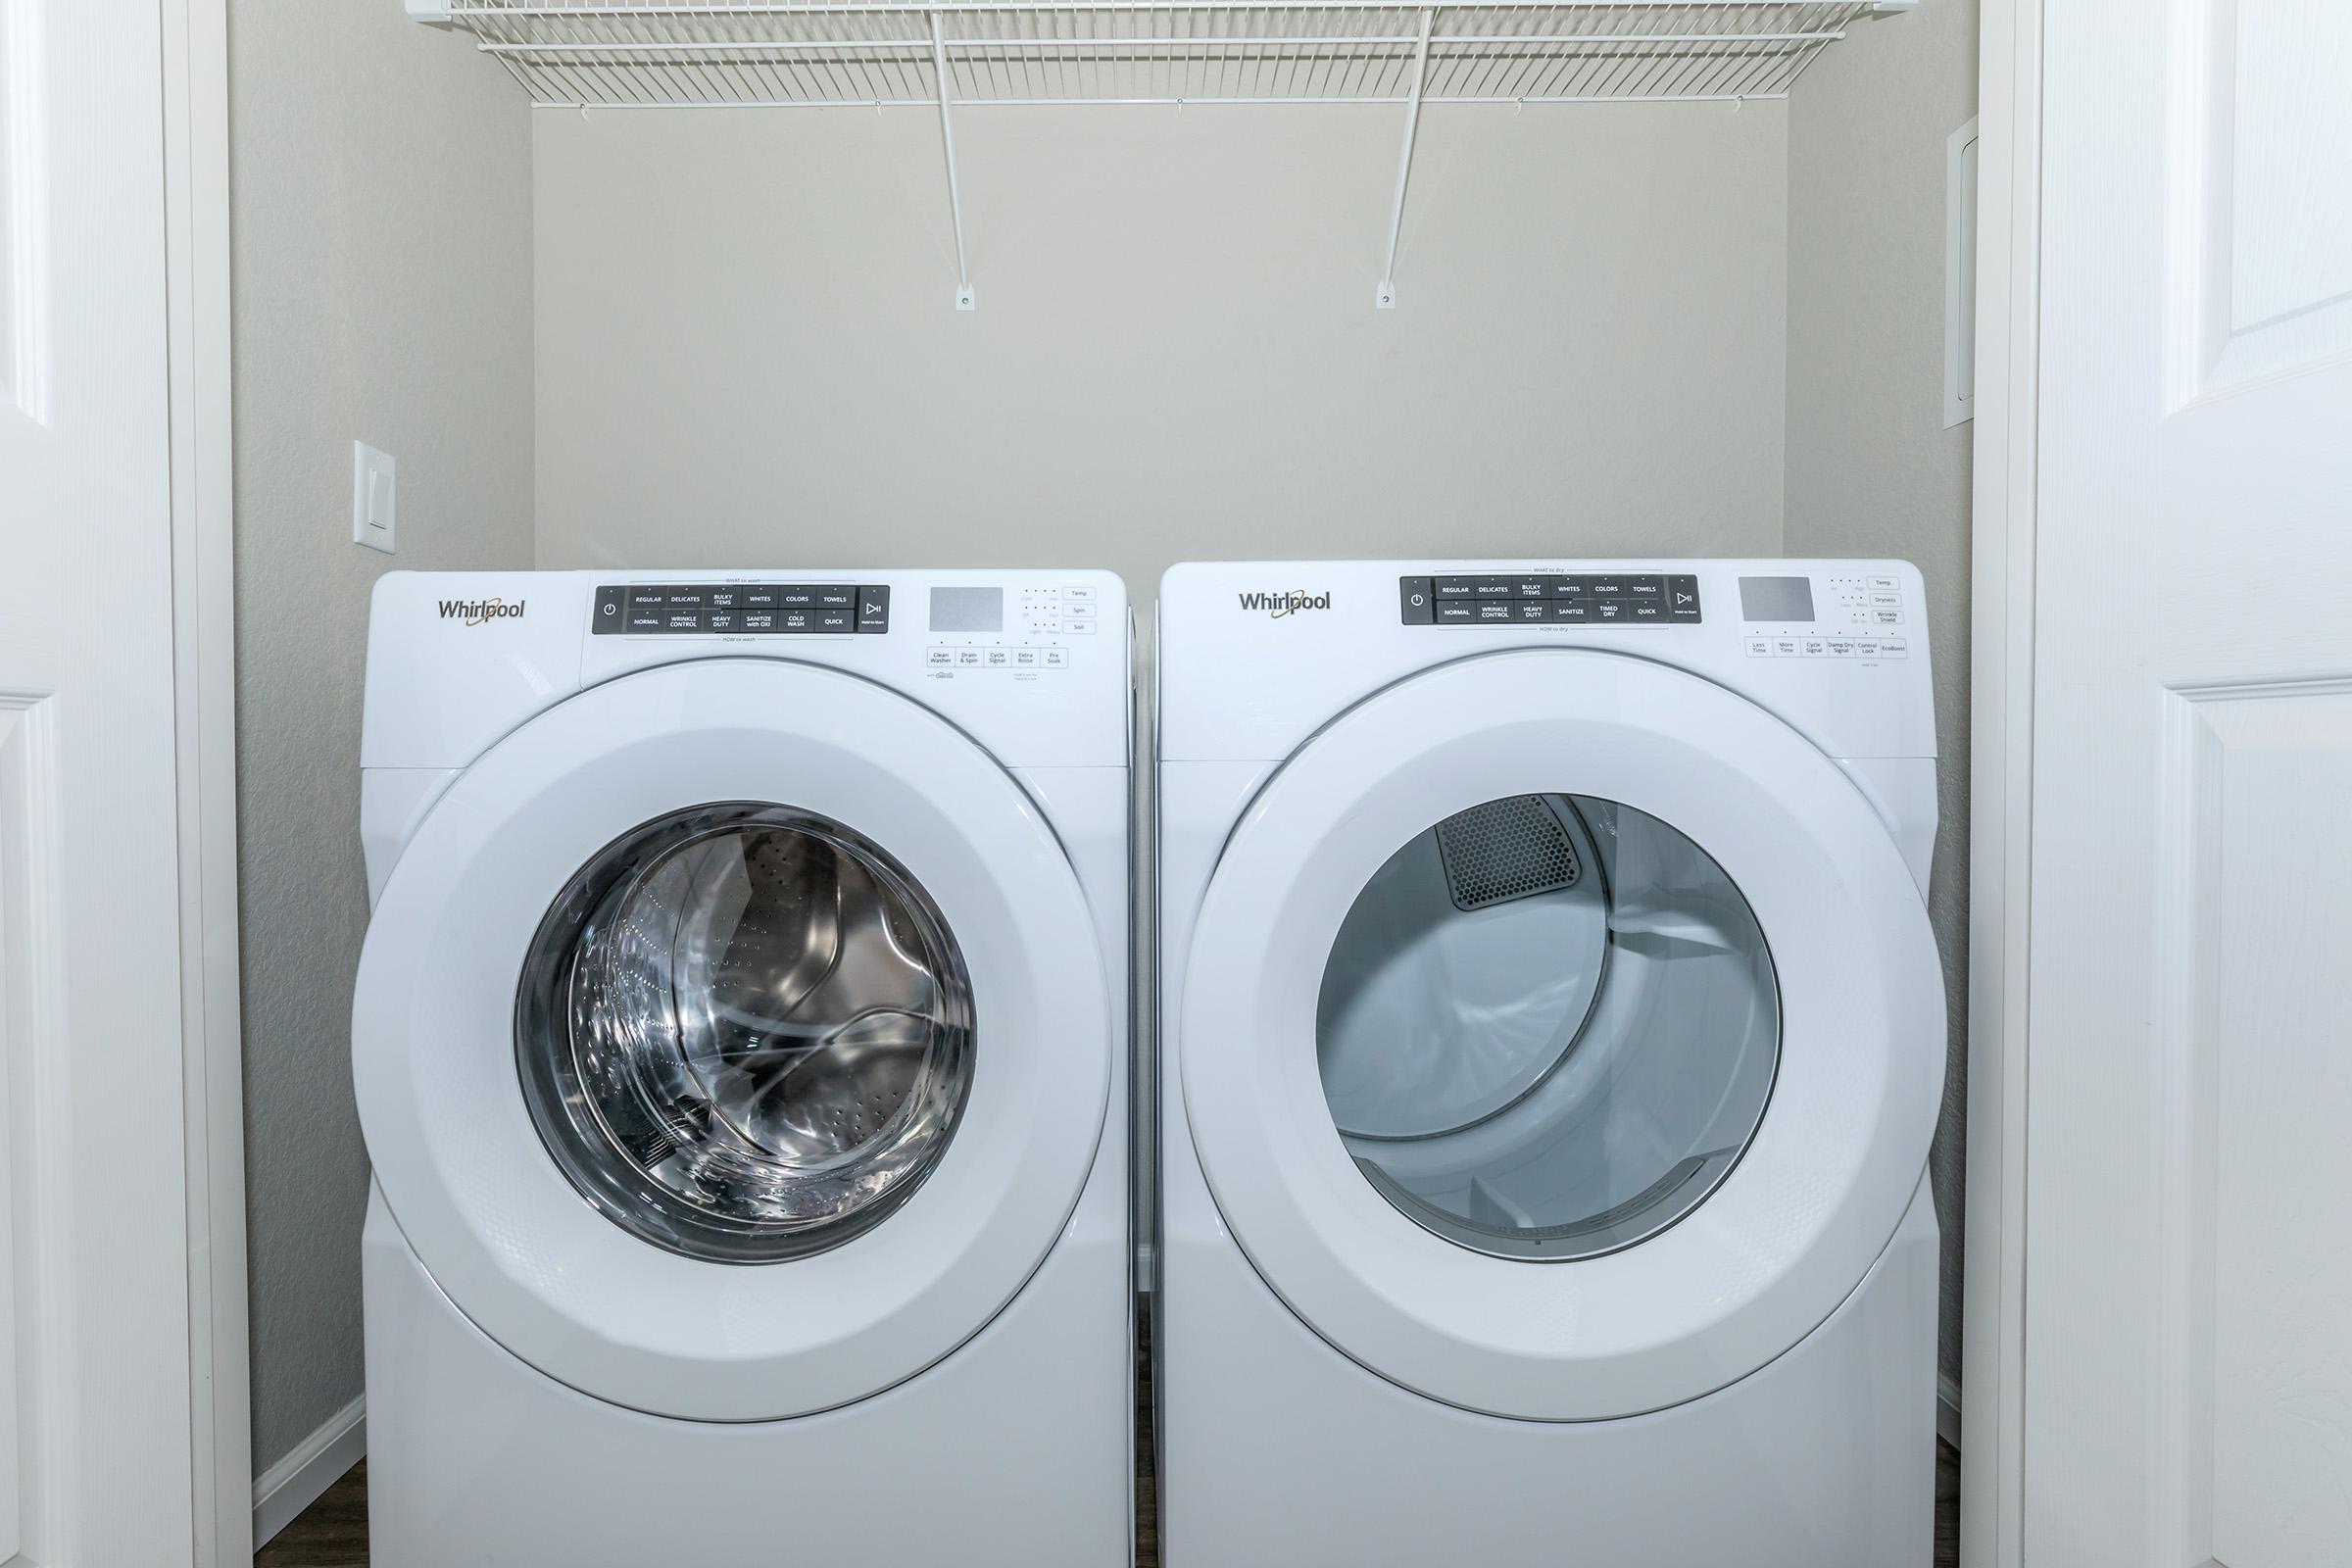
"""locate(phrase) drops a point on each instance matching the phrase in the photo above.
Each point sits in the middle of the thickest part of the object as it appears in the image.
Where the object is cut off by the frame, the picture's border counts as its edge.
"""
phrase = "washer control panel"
(1539, 598)
(1862, 616)
(977, 628)
(739, 610)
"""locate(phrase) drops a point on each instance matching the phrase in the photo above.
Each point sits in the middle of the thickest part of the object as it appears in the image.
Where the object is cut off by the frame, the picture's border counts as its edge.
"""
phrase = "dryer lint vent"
(1514, 847)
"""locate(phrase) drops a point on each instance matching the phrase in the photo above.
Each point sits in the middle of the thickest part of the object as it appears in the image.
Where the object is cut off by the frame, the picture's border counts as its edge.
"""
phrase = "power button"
(1414, 600)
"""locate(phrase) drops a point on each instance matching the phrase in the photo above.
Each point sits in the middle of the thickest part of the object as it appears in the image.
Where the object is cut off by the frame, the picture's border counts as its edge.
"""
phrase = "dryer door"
(732, 1041)
(1562, 1034)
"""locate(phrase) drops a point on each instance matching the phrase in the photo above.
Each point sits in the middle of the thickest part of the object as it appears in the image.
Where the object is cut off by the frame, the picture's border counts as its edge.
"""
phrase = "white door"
(98, 1391)
(2188, 1392)
(731, 1039)
(1600, 964)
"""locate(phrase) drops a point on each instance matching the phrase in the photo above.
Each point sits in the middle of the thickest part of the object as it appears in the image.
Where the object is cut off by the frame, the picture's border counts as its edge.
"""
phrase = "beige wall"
(749, 352)
(381, 193)
(1872, 471)
(1634, 329)
(748, 355)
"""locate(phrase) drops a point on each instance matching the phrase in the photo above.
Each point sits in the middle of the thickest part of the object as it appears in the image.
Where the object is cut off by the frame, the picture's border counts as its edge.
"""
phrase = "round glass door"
(745, 1033)
(1548, 1027)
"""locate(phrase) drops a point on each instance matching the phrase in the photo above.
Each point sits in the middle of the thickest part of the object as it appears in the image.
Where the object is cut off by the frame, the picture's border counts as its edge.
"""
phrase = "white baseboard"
(282, 1492)
(1948, 1410)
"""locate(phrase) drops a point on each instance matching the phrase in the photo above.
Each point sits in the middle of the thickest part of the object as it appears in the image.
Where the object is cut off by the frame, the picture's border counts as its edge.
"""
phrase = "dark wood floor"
(333, 1532)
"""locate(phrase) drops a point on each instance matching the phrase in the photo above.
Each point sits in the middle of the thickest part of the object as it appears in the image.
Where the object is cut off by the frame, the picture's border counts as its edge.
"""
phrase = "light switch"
(375, 512)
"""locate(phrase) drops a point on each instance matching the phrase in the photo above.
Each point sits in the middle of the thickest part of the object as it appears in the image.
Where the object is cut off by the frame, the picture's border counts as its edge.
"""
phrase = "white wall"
(1872, 471)
(381, 196)
(748, 355)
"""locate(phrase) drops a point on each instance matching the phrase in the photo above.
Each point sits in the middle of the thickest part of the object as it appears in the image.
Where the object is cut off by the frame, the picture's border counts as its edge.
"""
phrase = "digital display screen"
(1776, 598)
(980, 609)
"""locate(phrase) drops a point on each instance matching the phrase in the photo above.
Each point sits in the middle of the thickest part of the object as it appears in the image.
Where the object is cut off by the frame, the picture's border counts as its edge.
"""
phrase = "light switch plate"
(375, 498)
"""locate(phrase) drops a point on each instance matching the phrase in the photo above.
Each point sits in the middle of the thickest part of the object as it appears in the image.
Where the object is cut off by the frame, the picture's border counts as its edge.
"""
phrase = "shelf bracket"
(947, 140)
(1385, 298)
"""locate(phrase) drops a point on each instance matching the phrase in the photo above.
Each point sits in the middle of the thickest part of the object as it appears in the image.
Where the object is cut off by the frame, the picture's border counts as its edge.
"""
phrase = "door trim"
(2001, 779)
(195, 91)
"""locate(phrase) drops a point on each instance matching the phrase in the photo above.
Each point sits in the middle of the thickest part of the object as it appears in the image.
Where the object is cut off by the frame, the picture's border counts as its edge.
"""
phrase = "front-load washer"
(1552, 1038)
(739, 1041)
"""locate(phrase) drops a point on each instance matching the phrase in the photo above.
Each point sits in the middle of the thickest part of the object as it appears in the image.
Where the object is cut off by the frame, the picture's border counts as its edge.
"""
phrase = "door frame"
(195, 90)
(2002, 778)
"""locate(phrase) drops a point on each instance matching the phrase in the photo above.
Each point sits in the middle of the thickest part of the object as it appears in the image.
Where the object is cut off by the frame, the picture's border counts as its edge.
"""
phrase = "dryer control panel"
(1551, 598)
(1860, 614)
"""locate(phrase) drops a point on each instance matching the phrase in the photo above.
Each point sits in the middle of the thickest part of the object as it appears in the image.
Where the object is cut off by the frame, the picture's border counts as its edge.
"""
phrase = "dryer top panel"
(1255, 657)
(1033, 665)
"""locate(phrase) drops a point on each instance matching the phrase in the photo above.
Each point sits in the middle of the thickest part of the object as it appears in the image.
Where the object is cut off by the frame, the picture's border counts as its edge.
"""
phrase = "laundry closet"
(630, 285)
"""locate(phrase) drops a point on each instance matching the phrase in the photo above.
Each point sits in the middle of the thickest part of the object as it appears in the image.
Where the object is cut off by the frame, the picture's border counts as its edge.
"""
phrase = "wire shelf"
(641, 54)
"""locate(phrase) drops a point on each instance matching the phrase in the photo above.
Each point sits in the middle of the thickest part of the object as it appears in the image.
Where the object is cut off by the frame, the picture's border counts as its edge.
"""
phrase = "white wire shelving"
(594, 55)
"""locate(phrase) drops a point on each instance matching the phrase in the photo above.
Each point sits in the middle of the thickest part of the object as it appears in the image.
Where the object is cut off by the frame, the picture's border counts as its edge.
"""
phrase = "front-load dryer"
(1552, 1035)
(739, 1041)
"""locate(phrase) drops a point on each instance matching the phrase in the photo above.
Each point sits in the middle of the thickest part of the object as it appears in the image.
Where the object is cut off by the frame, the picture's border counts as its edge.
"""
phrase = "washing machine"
(1552, 1035)
(740, 1046)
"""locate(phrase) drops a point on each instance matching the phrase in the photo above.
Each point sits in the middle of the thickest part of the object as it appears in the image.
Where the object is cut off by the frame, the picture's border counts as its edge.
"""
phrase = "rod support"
(1384, 297)
(947, 142)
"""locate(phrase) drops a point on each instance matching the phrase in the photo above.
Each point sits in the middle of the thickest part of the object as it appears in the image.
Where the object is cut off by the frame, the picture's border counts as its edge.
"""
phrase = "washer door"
(731, 1041)
(1562, 1034)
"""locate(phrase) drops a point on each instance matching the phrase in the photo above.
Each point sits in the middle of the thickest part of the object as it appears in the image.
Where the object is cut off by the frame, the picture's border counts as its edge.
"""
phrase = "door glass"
(745, 1033)
(1548, 1027)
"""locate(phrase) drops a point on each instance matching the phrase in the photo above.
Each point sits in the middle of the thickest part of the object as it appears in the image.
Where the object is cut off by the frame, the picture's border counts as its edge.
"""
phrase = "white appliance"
(740, 1043)
(1552, 1038)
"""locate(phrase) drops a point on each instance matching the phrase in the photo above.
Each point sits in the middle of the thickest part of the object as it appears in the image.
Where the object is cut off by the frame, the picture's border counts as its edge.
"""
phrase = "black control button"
(843, 619)
(726, 596)
(1492, 587)
(1682, 598)
(1451, 587)
(1611, 586)
(1456, 612)
(675, 619)
(1532, 587)
(1570, 612)
(762, 622)
(722, 620)
(1645, 587)
(1610, 611)
(609, 614)
(648, 596)
(1494, 610)
(873, 608)
(1536, 611)
(1646, 611)
(1569, 588)
(646, 622)
(760, 595)
(1415, 601)
(688, 595)
(830, 597)
(795, 597)
(796, 620)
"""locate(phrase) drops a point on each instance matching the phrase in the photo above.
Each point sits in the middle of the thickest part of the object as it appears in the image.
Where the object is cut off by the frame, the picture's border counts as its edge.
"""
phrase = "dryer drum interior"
(745, 1033)
(1548, 1027)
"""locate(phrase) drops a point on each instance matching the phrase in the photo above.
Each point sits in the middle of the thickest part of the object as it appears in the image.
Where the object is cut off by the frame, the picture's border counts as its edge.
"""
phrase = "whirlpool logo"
(481, 611)
(1277, 606)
